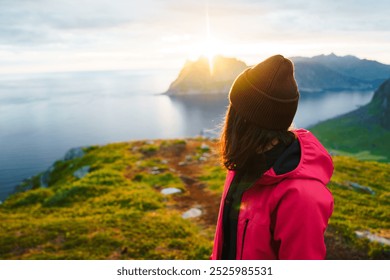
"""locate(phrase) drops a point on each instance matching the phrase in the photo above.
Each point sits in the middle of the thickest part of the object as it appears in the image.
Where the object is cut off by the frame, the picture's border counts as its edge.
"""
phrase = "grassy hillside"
(117, 210)
(346, 137)
(363, 133)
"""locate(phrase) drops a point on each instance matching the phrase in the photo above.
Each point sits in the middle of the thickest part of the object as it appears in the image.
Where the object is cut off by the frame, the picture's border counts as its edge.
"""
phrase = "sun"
(211, 45)
(207, 46)
(211, 50)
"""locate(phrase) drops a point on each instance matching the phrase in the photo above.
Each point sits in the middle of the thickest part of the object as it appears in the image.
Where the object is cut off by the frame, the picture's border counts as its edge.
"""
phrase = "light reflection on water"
(44, 116)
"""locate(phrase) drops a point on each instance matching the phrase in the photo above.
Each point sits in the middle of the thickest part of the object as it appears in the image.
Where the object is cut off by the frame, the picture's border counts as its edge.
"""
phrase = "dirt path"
(197, 195)
(183, 160)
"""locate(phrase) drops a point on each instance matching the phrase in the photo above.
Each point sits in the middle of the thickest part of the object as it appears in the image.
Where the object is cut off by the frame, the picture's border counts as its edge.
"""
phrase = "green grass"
(347, 135)
(356, 210)
(166, 180)
(362, 155)
(117, 211)
(213, 177)
(353, 210)
(101, 216)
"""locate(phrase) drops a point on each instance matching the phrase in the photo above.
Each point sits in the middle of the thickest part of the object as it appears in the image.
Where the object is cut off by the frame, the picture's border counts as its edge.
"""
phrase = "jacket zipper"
(243, 237)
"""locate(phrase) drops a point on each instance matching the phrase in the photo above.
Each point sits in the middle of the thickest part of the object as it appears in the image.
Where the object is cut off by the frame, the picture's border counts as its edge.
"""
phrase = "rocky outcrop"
(81, 172)
(197, 77)
(74, 153)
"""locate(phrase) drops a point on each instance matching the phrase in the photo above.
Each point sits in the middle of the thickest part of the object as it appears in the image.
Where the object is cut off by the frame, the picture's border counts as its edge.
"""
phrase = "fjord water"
(44, 115)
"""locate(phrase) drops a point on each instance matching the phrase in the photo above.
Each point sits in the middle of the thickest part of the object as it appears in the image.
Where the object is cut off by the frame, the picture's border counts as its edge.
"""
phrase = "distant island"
(315, 74)
(198, 77)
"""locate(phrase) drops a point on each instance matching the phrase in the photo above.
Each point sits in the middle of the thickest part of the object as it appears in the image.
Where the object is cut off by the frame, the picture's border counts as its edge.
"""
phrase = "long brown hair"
(243, 143)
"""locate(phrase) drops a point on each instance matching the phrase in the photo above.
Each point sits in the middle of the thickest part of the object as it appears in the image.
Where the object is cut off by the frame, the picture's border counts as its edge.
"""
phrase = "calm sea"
(44, 115)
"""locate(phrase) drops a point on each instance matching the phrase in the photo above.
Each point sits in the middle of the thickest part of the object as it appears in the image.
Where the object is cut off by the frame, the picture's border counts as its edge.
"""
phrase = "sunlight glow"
(210, 51)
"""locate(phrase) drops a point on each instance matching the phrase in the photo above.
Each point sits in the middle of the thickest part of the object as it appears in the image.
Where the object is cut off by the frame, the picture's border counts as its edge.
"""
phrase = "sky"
(81, 35)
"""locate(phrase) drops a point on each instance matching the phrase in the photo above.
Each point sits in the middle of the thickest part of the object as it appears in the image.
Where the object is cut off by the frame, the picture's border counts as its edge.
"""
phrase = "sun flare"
(211, 48)
(210, 52)
(207, 46)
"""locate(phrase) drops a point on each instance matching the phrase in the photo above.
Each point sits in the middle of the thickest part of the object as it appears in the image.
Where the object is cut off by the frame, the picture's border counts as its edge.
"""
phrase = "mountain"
(196, 77)
(315, 74)
(134, 200)
(351, 66)
(380, 104)
(365, 131)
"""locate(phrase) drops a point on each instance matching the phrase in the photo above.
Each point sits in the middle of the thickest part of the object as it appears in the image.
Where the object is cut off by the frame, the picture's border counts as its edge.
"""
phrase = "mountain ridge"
(352, 66)
(313, 74)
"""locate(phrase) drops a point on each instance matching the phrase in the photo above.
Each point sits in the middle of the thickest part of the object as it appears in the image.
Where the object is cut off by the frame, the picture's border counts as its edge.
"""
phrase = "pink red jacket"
(284, 216)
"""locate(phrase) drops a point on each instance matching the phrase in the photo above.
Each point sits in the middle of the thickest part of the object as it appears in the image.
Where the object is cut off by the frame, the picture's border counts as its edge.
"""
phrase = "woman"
(275, 203)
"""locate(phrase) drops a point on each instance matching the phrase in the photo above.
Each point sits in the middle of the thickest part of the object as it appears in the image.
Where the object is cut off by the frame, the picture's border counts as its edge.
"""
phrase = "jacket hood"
(315, 162)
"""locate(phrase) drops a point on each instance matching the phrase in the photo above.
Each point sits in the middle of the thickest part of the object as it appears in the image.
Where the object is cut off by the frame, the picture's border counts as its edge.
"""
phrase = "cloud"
(173, 29)
(45, 21)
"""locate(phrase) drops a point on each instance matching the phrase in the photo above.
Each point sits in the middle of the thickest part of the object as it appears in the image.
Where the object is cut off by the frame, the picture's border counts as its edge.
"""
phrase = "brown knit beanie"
(267, 94)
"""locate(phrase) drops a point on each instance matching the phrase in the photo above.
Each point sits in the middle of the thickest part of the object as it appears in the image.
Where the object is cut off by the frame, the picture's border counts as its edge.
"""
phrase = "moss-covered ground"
(117, 210)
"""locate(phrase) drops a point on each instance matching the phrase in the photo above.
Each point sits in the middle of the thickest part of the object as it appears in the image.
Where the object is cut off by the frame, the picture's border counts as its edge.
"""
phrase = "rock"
(149, 142)
(203, 159)
(206, 155)
(81, 172)
(155, 170)
(182, 163)
(74, 153)
(188, 158)
(204, 147)
(372, 237)
(164, 161)
(168, 191)
(192, 213)
(361, 188)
